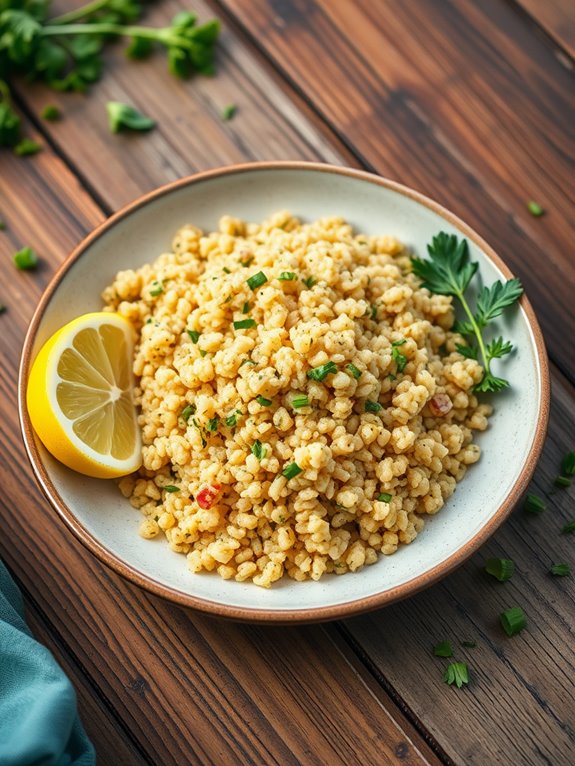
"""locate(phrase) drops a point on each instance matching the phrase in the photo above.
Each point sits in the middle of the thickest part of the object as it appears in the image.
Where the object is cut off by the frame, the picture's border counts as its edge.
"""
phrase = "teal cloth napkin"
(39, 725)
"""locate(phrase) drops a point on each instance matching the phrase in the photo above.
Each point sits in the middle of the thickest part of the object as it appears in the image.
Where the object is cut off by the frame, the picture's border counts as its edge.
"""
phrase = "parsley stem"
(165, 36)
(476, 330)
(80, 13)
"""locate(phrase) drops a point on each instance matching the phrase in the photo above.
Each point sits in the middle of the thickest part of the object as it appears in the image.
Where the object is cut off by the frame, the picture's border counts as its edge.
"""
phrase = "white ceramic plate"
(105, 522)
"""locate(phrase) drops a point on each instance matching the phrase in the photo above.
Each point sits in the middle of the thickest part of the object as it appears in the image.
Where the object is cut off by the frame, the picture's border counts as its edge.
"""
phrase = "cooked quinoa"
(302, 403)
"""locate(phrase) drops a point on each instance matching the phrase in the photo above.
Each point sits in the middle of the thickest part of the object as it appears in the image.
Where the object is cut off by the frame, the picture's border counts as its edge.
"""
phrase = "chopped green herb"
(568, 464)
(194, 335)
(247, 262)
(300, 401)
(449, 272)
(26, 148)
(469, 644)
(188, 411)
(534, 504)
(291, 470)
(354, 370)
(320, 373)
(122, 116)
(171, 488)
(25, 259)
(384, 497)
(309, 281)
(2, 225)
(373, 311)
(560, 570)
(372, 406)
(568, 528)
(229, 111)
(245, 308)
(501, 569)
(157, 288)
(202, 352)
(456, 673)
(257, 280)
(247, 361)
(443, 649)
(212, 424)
(399, 358)
(259, 450)
(263, 401)
(51, 113)
(562, 481)
(287, 276)
(232, 420)
(535, 209)
(226, 270)
(244, 324)
(513, 620)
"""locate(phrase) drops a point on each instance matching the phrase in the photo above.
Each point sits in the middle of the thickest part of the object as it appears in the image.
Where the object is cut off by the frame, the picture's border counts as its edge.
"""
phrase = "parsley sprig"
(449, 272)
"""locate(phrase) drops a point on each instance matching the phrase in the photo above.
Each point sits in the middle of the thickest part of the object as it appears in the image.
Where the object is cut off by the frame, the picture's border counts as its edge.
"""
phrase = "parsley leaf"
(122, 116)
(456, 673)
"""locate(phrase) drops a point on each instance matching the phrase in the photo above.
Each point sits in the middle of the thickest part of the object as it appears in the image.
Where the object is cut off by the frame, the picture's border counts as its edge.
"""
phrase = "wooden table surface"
(470, 103)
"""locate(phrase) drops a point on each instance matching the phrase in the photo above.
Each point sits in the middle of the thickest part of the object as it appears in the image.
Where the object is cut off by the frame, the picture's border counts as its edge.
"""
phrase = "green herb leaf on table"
(560, 570)
(122, 116)
(562, 481)
(501, 569)
(456, 674)
(25, 259)
(448, 271)
(27, 147)
(534, 504)
(9, 120)
(568, 528)
(568, 464)
(229, 111)
(513, 620)
(535, 209)
(443, 649)
(51, 113)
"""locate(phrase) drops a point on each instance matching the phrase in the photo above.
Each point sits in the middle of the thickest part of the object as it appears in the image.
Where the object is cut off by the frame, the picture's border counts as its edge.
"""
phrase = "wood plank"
(519, 707)
(467, 105)
(100, 723)
(189, 689)
(556, 17)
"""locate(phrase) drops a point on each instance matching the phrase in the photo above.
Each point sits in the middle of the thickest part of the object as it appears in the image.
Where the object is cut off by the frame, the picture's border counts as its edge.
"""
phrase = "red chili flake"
(440, 405)
(208, 494)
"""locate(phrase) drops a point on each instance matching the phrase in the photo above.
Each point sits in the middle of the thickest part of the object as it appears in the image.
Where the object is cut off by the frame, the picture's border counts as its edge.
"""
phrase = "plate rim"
(261, 614)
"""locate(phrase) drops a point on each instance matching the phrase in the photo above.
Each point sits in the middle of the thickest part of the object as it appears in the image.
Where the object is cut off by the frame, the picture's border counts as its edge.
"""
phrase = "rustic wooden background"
(470, 103)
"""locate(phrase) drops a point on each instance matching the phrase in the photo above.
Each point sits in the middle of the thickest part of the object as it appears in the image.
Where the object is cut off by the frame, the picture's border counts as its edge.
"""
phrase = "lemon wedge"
(79, 396)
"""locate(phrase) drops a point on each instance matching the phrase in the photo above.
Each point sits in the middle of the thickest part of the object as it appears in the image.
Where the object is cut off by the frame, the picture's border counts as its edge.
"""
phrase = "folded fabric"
(39, 725)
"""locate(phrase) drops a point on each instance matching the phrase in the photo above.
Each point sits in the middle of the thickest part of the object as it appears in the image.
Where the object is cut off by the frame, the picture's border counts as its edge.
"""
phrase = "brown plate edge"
(337, 611)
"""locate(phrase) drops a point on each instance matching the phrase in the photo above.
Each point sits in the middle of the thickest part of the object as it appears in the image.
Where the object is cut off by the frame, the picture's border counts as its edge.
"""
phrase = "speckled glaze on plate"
(104, 521)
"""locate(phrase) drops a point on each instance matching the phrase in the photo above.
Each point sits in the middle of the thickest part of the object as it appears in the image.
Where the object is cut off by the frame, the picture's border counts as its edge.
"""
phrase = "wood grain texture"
(520, 705)
(189, 689)
(556, 17)
(457, 99)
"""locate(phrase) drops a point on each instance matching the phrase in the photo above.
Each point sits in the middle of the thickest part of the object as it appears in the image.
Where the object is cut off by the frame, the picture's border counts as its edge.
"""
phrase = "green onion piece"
(232, 420)
(25, 259)
(456, 673)
(309, 281)
(259, 450)
(226, 270)
(560, 570)
(187, 411)
(300, 401)
(443, 649)
(202, 352)
(562, 481)
(213, 424)
(291, 470)
(354, 370)
(501, 569)
(534, 504)
(513, 620)
(469, 644)
(247, 361)
(263, 401)
(157, 288)
(399, 358)
(51, 113)
(568, 464)
(535, 209)
(244, 324)
(570, 527)
(320, 373)
(384, 497)
(373, 311)
(287, 276)
(245, 308)
(27, 147)
(257, 280)
(229, 111)
(372, 406)
(171, 488)
(194, 335)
